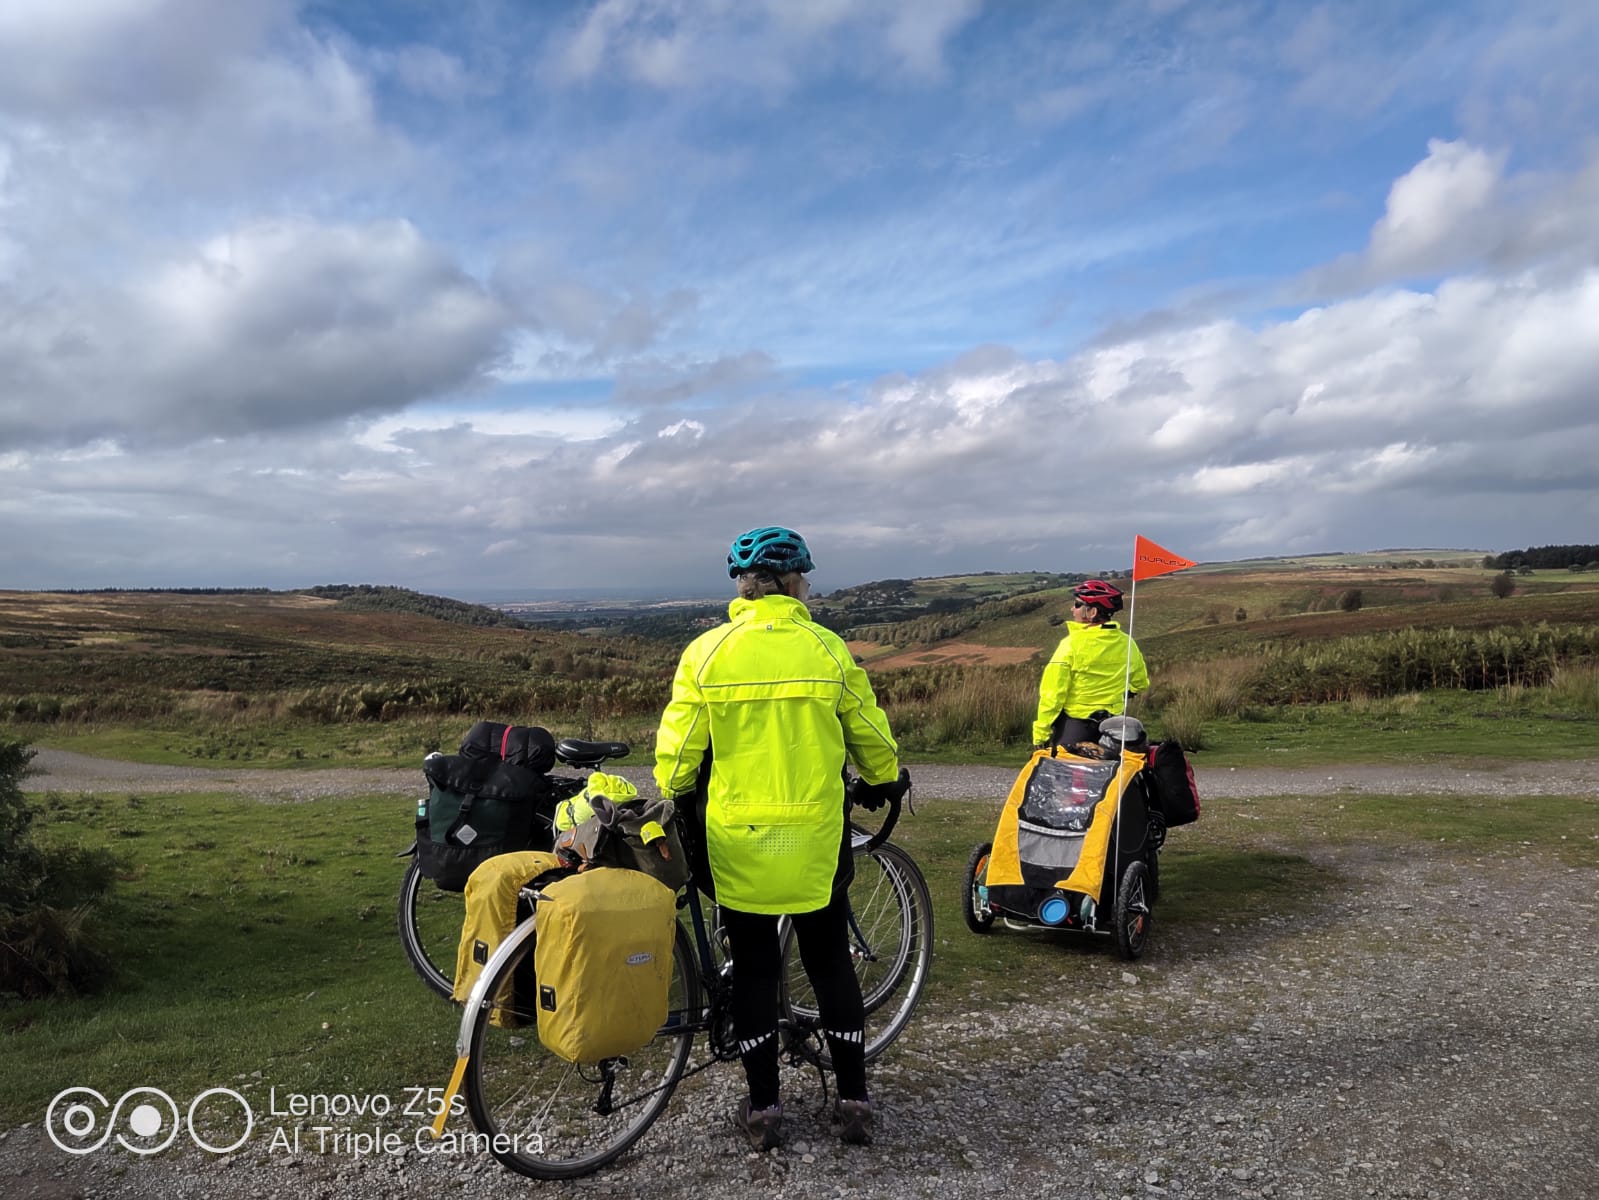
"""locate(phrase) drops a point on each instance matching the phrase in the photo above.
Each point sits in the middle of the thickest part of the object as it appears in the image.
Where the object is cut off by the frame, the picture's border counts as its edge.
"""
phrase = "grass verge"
(256, 943)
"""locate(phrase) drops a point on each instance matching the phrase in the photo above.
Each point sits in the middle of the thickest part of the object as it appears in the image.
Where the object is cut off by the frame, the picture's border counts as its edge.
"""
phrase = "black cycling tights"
(824, 949)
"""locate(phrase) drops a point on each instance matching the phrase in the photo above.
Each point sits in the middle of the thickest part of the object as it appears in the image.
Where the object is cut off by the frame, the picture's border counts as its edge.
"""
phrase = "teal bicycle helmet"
(770, 548)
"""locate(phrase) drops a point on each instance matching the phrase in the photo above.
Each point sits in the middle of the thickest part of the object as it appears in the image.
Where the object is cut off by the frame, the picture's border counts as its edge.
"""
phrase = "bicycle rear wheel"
(891, 945)
(552, 1119)
(429, 920)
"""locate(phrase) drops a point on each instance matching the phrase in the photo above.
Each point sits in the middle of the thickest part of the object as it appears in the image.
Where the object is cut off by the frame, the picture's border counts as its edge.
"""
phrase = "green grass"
(289, 745)
(260, 937)
(1434, 726)
(269, 744)
(248, 938)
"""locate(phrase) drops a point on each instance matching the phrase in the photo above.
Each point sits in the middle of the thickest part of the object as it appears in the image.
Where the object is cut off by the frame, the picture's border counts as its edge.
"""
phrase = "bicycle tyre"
(1132, 912)
(429, 920)
(891, 943)
(538, 1110)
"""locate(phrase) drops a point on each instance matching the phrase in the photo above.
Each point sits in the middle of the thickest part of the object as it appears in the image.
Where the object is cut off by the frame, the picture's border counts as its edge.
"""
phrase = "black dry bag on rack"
(480, 804)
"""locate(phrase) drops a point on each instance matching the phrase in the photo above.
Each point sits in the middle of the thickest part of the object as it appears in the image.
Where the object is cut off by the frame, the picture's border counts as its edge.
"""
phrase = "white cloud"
(270, 326)
(334, 295)
(1435, 214)
(93, 57)
(1458, 210)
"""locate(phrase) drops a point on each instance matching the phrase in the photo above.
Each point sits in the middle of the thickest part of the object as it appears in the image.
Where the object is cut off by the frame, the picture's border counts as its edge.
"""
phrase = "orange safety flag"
(1150, 560)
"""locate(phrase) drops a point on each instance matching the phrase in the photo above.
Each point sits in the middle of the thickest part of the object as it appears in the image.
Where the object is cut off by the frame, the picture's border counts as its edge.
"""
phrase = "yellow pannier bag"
(603, 957)
(491, 894)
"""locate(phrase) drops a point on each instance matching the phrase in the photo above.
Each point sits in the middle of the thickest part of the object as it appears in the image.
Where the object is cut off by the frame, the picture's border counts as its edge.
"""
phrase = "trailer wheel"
(979, 916)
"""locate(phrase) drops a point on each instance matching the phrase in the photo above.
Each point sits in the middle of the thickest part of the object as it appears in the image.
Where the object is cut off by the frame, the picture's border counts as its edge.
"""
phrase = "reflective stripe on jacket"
(782, 701)
(1086, 674)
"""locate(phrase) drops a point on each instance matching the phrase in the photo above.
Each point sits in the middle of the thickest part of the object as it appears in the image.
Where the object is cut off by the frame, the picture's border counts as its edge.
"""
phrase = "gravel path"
(1428, 1029)
(60, 770)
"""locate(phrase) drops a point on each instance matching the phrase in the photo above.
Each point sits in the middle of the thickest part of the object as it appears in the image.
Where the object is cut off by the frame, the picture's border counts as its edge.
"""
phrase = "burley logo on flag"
(1150, 560)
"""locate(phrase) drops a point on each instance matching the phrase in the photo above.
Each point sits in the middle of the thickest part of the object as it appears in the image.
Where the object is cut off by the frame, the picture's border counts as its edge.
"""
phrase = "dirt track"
(62, 771)
(1425, 1030)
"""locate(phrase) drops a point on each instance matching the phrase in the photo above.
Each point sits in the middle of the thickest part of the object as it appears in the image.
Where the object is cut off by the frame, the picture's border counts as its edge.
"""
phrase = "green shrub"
(1409, 660)
(47, 951)
(48, 941)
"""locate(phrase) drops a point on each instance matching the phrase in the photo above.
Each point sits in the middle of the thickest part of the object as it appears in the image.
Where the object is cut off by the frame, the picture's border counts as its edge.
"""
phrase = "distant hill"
(1212, 608)
(1397, 559)
(366, 597)
(888, 601)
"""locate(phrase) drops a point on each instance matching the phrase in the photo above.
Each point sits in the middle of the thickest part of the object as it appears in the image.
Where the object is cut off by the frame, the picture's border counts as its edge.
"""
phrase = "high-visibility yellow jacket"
(1085, 674)
(780, 701)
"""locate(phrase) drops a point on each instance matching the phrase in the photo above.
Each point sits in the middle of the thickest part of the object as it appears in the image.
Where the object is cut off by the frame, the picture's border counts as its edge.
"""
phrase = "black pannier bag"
(480, 804)
(1175, 793)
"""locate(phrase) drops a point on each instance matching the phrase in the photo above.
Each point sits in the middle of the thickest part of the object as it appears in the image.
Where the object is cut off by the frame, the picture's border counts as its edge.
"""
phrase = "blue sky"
(492, 296)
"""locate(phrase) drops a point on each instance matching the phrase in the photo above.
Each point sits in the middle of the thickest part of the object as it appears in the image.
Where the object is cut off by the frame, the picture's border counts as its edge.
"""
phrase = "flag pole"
(1121, 750)
(1149, 560)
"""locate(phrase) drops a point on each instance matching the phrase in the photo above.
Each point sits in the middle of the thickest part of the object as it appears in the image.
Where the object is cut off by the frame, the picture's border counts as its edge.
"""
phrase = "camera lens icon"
(145, 1120)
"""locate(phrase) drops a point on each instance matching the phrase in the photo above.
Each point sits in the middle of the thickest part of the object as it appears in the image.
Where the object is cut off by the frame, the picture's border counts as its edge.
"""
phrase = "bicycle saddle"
(589, 754)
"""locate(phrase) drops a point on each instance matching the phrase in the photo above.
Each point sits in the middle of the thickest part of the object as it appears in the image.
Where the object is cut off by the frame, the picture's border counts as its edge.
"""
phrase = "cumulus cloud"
(1458, 209)
(1295, 435)
(1439, 211)
(90, 57)
(298, 294)
(271, 326)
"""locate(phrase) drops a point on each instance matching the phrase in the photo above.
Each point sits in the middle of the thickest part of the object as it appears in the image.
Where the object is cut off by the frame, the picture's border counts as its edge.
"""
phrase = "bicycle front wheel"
(891, 945)
(429, 920)
(552, 1119)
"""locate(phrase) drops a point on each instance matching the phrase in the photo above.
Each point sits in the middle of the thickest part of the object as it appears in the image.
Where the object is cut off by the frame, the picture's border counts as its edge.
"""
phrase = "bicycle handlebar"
(894, 794)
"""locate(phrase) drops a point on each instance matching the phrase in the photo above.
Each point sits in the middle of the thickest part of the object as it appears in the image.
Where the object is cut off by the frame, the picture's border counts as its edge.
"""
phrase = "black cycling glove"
(872, 796)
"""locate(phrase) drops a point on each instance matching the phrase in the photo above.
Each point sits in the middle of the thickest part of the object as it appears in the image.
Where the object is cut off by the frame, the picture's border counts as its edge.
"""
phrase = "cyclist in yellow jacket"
(776, 703)
(1089, 671)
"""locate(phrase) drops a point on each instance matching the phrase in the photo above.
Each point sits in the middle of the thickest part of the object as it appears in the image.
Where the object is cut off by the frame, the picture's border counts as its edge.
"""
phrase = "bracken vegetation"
(225, 671)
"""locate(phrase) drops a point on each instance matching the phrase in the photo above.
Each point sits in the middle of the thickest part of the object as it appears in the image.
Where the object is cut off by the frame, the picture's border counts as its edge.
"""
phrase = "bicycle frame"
(715, 991)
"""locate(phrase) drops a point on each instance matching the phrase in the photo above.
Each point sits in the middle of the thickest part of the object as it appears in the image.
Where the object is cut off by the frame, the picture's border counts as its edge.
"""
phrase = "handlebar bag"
(638, 835)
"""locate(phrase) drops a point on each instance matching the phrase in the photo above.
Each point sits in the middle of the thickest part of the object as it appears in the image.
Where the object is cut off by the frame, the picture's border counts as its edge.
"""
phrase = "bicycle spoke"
(430, 927)
(891, 943)
(544, 1110)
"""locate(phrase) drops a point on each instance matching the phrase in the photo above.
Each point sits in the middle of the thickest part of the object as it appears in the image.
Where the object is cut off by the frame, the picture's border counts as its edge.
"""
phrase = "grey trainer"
(854, 1119)
(763, 1126)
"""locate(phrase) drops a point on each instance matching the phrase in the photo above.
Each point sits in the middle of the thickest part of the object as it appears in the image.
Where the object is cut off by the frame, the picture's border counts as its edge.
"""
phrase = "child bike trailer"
(1076, 848)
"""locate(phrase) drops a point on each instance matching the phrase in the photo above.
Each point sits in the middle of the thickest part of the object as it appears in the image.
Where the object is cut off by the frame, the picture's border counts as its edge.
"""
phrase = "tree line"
(1542, 558)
